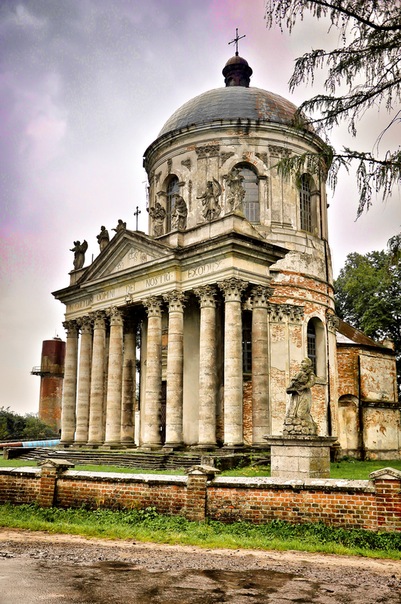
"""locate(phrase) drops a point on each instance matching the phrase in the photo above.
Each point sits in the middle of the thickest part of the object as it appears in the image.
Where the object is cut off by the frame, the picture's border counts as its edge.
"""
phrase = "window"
(316, 347)
(251, 204)
(305, 204)
(311, 339)
(172, 190)
(247, 341)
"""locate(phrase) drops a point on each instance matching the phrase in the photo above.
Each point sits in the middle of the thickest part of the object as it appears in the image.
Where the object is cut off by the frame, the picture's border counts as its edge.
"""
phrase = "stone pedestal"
(300, 458)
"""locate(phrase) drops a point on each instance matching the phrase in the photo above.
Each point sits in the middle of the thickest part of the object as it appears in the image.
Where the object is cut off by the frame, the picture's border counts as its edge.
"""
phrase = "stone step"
(146, 461)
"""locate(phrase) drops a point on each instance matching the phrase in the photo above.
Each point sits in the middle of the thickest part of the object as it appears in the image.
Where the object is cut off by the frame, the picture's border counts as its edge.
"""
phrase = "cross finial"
(136, 214)
(236, 39)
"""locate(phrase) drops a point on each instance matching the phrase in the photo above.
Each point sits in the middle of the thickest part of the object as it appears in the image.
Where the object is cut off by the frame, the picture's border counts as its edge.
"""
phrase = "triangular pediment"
(125, 251)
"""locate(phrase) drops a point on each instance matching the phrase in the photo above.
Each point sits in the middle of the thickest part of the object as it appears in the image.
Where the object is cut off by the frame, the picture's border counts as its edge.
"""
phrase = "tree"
(18, 427)
(367, 67)
(368, 296)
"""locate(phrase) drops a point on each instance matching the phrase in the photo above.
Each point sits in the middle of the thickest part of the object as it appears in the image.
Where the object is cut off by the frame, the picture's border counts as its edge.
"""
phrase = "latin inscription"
(159, 280)
(203, 269)
(105, 295)
(81, 304)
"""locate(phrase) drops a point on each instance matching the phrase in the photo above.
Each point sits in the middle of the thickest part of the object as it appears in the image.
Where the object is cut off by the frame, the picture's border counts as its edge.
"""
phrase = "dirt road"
(55, 569)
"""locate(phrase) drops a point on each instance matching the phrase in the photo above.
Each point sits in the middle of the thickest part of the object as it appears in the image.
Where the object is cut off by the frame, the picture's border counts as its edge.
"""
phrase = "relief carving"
(278, 151)
(225, 156)
(207, 151)
(278, 312)
(262, 157)
(187, 163)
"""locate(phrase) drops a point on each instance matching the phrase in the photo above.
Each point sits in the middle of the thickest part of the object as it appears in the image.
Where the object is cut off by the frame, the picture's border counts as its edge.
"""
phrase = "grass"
(345, 469)
(148, 526)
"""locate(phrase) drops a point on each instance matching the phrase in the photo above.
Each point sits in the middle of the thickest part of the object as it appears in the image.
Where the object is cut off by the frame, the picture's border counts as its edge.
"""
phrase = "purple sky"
(85, 87)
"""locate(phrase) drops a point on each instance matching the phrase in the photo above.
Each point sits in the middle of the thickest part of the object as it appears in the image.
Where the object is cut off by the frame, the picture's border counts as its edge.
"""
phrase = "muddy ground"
(55, 569)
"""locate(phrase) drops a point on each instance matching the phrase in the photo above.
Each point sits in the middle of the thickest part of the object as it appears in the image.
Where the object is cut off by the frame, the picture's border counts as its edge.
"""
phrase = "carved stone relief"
(207, 151)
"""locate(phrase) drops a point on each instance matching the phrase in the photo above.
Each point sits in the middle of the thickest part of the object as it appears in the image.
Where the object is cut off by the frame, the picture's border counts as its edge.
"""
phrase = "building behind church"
(188, 336)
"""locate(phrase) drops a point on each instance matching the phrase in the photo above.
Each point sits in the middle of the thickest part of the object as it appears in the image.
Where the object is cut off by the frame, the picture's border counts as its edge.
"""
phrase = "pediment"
(125, 251)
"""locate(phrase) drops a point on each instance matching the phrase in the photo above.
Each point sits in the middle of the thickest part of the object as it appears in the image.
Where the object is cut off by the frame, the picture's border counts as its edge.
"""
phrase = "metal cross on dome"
(236, 39)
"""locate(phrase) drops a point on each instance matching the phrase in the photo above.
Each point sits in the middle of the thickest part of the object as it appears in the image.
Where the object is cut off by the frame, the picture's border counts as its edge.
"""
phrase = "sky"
(85, 87)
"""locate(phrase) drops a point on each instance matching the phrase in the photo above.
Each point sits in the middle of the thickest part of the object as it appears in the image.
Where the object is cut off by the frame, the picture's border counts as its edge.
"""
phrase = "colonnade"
(100, 411)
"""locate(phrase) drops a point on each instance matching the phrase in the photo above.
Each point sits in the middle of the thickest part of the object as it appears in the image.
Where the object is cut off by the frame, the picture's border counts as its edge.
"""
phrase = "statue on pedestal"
(236, 193)
(121, 226)
(210, 200)
(179, 215)
(298, 420)
(103, 238)
(158, 214)
(79, 250)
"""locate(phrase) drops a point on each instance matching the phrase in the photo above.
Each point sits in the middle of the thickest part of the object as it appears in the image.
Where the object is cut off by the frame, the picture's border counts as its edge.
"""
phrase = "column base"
(112, 445)
(204, 447)
(174, 446)
(150, 447)
(128, 442)
(94, 444)
(66, 443)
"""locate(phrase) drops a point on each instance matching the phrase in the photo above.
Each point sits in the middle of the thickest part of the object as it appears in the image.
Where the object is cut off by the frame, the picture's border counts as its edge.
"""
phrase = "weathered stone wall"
(373, 505)
(369, 416)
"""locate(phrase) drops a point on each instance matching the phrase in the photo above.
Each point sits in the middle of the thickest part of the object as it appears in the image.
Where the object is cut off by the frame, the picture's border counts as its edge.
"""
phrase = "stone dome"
(231, 103)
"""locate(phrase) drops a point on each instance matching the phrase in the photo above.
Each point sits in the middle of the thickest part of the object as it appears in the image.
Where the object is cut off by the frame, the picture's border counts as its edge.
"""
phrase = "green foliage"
(362, 73)
(148, 525)
(18, 427)
(368, 295)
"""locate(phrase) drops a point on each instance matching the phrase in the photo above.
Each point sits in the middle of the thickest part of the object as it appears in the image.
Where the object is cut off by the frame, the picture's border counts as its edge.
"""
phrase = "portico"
(167, 314)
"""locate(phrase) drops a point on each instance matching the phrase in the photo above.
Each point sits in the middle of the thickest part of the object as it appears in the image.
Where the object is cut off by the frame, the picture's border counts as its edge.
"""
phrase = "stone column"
(153, 390)
(233, 373)
(97, 381)
(175, 365)
(114, 381)
(69, 384)
(260, 369)
(207, 366)
(129, 385)
(84, 378)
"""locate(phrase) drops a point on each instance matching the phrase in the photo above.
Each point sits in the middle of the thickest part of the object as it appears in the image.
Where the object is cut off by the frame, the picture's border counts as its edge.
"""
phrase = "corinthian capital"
(260, 295)
(206, 295)
(98, 318)
(232, 289)
(332, 321)
(85, 324)
(153, 306)
(175, 300)
(71, 328)
(115, 316)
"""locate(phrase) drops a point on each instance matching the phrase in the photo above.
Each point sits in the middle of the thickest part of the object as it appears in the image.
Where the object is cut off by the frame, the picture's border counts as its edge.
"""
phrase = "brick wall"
(19, 486)
(373, 504)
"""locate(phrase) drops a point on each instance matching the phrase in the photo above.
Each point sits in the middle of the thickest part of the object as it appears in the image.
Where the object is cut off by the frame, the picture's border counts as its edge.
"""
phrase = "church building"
(188, 336)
